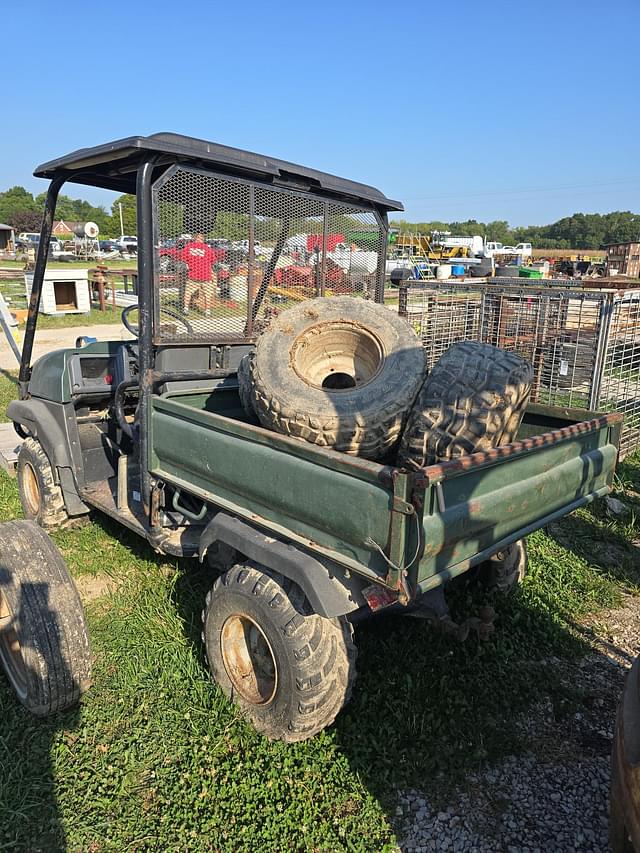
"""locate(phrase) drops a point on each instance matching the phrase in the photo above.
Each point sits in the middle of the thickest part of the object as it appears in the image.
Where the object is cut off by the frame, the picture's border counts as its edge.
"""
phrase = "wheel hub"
(337, 355)
(10, 650)
(31, 489)
(248, 659)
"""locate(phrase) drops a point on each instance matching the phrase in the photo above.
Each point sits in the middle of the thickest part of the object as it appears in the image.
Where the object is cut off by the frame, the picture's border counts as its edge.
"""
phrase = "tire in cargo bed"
(244, 389)
(338, 372)
(473, 399)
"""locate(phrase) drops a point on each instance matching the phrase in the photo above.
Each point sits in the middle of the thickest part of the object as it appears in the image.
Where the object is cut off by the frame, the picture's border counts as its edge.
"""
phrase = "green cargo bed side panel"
(324, 498)
(483, 506)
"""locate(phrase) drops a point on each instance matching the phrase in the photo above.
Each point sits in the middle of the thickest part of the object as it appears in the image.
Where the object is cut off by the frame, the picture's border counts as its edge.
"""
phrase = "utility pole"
(121, 224)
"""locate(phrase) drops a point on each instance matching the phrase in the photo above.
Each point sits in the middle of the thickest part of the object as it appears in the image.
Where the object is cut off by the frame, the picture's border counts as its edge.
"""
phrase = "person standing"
(199, 259)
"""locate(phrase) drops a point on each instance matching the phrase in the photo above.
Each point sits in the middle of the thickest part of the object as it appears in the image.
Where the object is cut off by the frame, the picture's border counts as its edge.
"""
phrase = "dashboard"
(100, 374)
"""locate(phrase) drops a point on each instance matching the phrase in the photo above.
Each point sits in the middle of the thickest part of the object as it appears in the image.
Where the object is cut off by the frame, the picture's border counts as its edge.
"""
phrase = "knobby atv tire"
(473, 399)
(44, 645)
(40, 496)
(506, 569)
(244, 389)
(338, 372)
(310, 659)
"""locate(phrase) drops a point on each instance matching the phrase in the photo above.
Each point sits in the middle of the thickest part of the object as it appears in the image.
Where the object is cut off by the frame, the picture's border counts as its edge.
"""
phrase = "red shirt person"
(199, 259)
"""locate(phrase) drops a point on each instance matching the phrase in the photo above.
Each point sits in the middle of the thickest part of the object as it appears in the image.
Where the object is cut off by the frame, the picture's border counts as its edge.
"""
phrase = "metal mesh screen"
(584, 345)
(231, 254)
(620, 382)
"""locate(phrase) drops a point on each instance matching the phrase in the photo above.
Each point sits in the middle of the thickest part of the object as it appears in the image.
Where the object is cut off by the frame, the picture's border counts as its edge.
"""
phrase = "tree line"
(23, 211)
(20, 209)
(579, 231)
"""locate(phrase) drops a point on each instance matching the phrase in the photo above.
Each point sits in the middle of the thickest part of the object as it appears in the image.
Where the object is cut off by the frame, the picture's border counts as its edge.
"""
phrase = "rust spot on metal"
(434, 473)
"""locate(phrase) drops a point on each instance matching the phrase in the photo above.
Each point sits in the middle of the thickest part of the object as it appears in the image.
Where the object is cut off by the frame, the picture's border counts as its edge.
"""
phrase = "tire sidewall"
(275, 714)
(31, 662)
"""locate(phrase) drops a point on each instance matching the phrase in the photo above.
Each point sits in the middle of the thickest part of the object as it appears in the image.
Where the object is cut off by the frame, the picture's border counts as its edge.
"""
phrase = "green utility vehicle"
(302, 540)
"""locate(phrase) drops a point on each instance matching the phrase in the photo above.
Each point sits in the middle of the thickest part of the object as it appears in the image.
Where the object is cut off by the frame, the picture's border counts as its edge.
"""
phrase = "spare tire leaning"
(338, 372)
(473, 399)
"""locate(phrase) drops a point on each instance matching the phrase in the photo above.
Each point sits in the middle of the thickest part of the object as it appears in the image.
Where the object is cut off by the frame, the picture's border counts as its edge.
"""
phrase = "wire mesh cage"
(230, 254)
(584, 345)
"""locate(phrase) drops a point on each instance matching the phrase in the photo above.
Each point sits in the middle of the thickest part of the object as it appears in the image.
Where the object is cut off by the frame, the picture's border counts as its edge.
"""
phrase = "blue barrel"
(419, 270)
(457, 269)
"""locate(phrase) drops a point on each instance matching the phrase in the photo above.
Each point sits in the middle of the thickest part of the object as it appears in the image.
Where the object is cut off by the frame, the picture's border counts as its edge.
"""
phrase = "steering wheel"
(135, 331)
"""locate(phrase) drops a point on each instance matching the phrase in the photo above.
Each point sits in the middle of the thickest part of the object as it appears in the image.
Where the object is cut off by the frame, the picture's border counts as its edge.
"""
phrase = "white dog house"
(63, 292)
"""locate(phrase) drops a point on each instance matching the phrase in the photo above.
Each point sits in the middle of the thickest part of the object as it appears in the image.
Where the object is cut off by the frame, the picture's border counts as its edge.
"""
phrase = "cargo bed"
(373, 518)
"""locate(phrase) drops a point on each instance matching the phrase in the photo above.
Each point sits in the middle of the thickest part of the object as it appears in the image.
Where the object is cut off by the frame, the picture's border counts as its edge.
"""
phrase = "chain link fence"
(584, 345)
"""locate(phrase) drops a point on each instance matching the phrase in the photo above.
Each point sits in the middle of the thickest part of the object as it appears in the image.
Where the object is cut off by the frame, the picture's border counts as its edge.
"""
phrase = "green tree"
(77, 210)
(16, 201)
(129, 215)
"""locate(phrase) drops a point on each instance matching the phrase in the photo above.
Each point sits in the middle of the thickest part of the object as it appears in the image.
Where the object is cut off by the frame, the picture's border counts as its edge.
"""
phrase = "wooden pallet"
(9, 446)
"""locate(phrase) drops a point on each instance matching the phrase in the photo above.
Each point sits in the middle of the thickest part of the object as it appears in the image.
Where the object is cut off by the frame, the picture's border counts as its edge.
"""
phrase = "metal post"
(38, 278)
(383, 224)
(321, 269)
(146, 314)
(604, 331)
(6, 322)
(251, 259)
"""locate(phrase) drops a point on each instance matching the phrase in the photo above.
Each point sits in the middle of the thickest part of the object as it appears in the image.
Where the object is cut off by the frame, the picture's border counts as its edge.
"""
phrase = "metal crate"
(584, 345)
(274, 247)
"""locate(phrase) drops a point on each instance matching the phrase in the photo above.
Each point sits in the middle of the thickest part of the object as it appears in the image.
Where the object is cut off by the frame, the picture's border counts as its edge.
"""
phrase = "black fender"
(55, 427)
(330, 589)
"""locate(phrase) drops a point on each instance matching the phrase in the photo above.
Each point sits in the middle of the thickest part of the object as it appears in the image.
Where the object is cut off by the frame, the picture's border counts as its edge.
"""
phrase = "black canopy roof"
(113, 166)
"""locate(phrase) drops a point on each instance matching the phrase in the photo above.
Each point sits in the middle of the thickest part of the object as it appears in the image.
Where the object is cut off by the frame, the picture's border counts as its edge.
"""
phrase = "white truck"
(492, 248)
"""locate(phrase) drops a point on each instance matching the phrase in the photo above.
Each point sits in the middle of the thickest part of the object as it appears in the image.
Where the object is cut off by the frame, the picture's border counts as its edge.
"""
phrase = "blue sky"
(525, 112)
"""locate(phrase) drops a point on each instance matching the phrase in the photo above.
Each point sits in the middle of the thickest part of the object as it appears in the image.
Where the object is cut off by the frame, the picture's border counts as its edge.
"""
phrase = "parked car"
(128, 244)
(29, 237)
(492, 248)
(30, 240)
(108, 245)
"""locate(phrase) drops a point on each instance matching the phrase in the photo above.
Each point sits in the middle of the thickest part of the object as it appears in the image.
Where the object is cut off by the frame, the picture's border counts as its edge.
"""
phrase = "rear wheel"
(44, 645)
(40, 496)
(290, 670)
(506, 569)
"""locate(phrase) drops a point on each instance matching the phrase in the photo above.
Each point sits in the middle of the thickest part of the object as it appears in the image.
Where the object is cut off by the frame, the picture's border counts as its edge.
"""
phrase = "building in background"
(623, 259)
(7, 240)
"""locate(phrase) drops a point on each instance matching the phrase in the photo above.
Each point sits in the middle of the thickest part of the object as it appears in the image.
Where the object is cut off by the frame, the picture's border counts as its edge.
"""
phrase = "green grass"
(156, 759)
(93, 318)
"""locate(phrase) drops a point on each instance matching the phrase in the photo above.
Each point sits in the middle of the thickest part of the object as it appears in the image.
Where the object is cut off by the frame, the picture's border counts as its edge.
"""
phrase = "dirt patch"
(92, 587)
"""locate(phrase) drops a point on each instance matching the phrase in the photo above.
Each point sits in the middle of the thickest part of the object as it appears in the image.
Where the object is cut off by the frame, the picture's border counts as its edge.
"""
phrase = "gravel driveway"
(553, 796)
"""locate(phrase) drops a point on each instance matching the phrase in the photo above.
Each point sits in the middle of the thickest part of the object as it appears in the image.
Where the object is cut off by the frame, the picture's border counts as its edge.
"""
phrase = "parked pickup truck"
(303, 540)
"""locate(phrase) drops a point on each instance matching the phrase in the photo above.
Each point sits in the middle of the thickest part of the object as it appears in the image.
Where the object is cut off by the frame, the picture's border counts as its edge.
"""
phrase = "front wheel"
(289, 670)
(41, 497)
